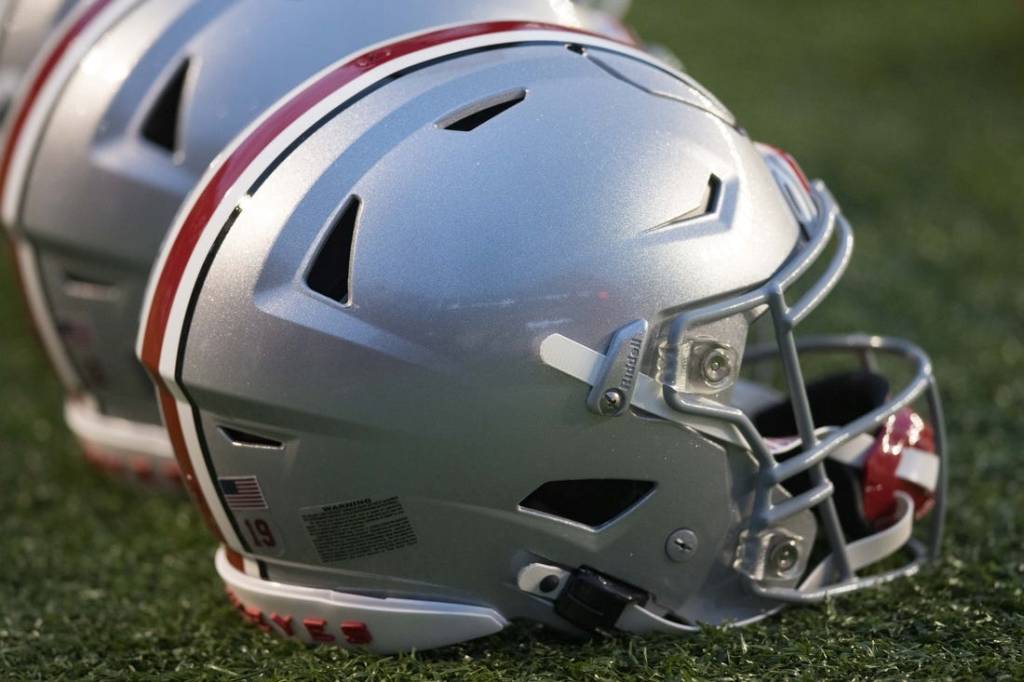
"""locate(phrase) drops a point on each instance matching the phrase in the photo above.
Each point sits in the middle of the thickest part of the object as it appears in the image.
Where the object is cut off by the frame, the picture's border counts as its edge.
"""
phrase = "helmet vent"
(590, 502)
(249, 440)
(330, 272)
(161, 126)
(89, 289)
(475, 115)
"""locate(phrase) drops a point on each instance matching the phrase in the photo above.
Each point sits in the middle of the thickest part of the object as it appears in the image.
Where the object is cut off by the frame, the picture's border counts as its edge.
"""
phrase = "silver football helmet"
(453, 336)
(24, 26)
(116, 123)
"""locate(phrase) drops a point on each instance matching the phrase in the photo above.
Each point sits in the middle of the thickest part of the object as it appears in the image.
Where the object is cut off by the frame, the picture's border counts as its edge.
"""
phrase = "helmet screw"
(549, 583)
(612, 401)
(681, 545)
(784, 556)
(716, 366)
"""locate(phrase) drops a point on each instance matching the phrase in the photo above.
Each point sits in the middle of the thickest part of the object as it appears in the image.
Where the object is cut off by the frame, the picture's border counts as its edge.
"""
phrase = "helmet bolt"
(612, 401)
(681, 545)
(550, 583)
(716, 366)
(784, 556)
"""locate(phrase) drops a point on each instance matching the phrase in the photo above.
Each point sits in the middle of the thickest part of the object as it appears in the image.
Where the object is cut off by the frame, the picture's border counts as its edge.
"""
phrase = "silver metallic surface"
(24, 28)
(471, 248)
(101, 196)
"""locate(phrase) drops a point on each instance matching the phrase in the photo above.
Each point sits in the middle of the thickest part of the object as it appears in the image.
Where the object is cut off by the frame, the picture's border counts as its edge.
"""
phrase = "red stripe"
(246, 152)
(41, 77)
(169, 409)
(794, 166)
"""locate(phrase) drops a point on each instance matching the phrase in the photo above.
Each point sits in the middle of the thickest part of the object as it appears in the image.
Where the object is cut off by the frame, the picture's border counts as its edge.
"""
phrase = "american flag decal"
(242, 492)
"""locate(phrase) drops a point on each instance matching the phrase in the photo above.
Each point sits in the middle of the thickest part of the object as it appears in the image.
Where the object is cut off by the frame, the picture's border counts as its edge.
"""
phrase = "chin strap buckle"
(592, 601)
(587, 599)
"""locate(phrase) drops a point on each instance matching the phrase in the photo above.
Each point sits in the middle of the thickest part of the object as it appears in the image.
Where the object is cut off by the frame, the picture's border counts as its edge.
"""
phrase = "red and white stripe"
(227, 180)
(45, 80)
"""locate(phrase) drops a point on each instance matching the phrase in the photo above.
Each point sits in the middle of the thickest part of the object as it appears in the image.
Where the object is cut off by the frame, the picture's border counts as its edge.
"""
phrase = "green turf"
(914, 112)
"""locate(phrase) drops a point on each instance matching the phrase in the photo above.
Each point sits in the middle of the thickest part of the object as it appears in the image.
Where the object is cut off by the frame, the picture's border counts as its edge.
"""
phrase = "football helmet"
(453, 336)
(24, 25)
(118, 120)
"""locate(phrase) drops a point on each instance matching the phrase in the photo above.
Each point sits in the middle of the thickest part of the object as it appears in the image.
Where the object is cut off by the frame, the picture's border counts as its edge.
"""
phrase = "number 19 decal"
(262, 538)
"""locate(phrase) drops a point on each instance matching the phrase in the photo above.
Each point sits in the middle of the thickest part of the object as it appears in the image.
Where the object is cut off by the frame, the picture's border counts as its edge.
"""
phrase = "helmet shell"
(575, 210)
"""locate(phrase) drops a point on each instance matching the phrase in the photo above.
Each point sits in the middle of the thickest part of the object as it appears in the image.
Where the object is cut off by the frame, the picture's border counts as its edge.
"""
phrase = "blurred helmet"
(118, 121)
(615, 8)
(25, 25)
(452, 336)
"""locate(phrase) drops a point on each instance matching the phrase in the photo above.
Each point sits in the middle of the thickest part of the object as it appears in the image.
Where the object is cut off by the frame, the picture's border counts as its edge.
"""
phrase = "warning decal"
(350, 530)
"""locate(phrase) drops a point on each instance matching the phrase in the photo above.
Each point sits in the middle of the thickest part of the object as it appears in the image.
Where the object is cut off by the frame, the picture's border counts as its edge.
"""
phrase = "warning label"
(350, 530)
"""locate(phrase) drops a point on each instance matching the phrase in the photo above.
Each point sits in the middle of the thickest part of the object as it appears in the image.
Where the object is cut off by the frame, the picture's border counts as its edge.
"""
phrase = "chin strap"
(870, 549)
(919, 467)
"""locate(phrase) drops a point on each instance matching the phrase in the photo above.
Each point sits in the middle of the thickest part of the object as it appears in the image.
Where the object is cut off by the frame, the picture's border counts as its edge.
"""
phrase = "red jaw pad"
(904, 429)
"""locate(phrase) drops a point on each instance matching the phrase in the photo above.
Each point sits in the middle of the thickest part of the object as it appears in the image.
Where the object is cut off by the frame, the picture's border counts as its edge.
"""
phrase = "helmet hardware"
(783, 556)
(711, 366)
(611, 396)
(681, 545)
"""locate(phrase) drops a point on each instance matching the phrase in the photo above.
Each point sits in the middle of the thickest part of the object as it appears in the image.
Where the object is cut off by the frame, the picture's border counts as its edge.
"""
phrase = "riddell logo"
(352, 631)
(632, 361)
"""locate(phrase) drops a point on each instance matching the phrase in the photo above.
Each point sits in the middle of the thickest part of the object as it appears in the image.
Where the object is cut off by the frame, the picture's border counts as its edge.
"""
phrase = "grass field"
(914, 113)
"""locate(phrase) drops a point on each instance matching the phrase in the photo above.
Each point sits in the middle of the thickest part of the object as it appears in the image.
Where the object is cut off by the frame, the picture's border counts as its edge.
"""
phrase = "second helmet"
(115, 124)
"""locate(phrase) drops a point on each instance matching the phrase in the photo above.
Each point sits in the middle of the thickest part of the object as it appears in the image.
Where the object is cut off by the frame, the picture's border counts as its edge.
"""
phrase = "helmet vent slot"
(590, 502)
(249, 440)
(162, 125)
(89, 289)
(331, 269)
(475, 115)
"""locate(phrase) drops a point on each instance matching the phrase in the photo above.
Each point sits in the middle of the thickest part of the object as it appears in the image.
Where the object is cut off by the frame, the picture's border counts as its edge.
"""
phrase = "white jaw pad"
(382, 626)
(119, 437)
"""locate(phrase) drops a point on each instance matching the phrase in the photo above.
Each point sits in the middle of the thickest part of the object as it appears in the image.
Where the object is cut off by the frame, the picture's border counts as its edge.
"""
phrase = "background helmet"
(25, 25)
(100, 156)
(452, 337)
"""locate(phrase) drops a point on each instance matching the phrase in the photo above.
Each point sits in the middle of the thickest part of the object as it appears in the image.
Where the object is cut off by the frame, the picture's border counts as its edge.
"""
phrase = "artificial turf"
(914, 113)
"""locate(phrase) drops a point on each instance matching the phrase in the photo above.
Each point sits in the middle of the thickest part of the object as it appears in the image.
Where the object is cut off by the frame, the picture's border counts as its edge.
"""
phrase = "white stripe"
(206, 485)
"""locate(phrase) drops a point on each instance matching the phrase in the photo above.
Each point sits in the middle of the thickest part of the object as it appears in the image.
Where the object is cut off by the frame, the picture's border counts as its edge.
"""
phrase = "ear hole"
(475, 115)
(591, 502)
(249, 440)
(331, 269)
(162, 125)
